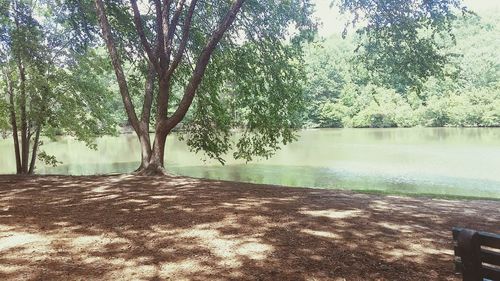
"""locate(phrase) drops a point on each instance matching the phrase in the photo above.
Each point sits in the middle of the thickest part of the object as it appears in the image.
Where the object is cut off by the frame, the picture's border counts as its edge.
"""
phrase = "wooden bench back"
(477, 254)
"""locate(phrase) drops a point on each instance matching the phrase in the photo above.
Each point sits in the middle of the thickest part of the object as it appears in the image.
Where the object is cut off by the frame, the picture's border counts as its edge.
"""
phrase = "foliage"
(254, 79)
(250, 79)
(57, 87)
(403, 42)
(49, 160)
(343, 93)
(4, 117)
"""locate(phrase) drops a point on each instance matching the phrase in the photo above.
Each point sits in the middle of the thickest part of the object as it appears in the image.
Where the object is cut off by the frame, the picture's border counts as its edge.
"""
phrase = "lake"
(443, 161)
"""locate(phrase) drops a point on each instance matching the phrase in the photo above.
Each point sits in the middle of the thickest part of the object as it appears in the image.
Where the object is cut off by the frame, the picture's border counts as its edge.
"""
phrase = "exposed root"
(151, 170)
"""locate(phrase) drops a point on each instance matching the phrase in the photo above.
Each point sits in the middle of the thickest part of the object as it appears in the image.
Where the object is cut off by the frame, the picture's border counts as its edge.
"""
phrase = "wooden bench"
(477, 254)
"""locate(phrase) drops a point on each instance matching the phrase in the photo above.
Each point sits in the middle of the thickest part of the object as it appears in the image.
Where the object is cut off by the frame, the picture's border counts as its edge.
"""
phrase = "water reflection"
(460, 161)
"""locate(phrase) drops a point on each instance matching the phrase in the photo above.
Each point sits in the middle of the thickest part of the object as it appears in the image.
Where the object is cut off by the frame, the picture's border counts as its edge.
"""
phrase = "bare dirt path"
(138, 228)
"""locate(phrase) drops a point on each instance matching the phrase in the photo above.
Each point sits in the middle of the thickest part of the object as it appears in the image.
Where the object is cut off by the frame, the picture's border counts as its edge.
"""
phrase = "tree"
(217, 57)
(49, 88)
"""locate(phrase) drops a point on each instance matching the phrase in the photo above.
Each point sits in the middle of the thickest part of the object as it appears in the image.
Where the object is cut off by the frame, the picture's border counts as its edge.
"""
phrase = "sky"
(333, 22)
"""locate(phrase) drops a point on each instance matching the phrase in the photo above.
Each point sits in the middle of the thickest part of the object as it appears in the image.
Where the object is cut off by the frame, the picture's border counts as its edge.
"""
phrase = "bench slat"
(489, 239)
(491, 273)
(490, 257)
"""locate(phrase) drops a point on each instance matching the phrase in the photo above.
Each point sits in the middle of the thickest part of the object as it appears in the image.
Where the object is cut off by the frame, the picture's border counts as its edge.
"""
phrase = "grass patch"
(425, 195)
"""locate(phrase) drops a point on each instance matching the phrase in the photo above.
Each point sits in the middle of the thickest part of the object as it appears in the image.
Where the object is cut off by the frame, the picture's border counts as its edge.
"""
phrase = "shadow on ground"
(138, 228)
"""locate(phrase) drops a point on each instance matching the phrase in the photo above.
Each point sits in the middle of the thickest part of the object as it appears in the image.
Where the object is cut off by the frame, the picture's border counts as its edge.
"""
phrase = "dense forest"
(342, 92)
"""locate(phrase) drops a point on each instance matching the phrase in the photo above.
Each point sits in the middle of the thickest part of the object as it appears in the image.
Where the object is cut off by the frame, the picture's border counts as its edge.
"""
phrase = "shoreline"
(336, 189)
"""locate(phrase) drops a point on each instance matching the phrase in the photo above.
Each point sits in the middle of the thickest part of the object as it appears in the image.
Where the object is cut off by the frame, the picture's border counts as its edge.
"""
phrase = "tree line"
(341, 91)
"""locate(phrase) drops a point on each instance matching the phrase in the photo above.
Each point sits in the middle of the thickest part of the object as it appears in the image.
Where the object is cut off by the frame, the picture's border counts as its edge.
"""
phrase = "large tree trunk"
(154, 164)
(145, 151)
(159, 149)
(143, 135)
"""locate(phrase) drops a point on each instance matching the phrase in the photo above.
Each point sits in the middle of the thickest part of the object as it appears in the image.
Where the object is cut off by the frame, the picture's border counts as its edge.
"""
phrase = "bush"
(406, 117)
(436, 113)
(373, 117)
(491, 117)
(332, 115)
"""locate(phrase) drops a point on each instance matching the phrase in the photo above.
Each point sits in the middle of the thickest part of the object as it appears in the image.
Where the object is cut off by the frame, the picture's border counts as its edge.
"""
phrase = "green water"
(442, 161)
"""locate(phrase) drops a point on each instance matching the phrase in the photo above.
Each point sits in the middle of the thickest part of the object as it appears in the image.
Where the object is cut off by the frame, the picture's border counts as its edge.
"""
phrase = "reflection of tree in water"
(235, 173)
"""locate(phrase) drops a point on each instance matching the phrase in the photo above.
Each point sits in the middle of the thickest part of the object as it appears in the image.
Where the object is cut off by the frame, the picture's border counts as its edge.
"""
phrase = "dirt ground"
(173, 228)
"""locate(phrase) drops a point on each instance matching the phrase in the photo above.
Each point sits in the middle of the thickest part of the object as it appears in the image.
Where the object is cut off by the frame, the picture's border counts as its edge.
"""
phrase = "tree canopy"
(221, 59)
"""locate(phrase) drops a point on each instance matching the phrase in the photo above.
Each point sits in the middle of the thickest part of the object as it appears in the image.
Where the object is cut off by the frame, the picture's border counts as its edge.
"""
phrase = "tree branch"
(173, 25)
(24, 121)
(165, 26)
(164, 85)
(34, 151)
(140, 31)
(13, 122)
(115, 60)
(160, 38)
(185, 36)
(148, 96)
(201, 66)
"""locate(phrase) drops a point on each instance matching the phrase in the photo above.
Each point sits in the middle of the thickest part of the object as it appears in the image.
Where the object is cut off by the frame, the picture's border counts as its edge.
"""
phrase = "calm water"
(450, 161)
